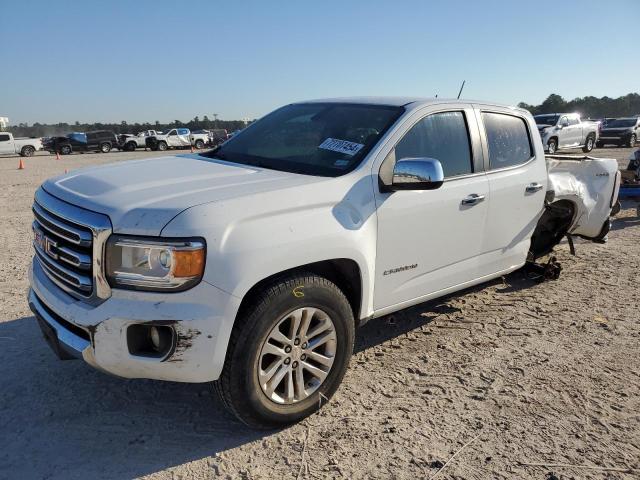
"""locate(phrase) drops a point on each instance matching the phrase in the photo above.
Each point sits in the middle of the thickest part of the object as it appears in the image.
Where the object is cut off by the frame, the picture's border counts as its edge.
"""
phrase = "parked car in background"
(177, 138)
(97, 141)
(252, 264)
(560, 131)
(25, 147)
(621, 132)
(130, 142)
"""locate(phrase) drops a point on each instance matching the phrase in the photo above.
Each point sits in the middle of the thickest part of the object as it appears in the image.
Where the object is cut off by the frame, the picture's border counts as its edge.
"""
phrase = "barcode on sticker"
(341, 146)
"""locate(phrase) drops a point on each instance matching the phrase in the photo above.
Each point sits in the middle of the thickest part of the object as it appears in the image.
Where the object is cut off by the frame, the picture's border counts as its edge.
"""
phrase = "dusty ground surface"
(529, 373)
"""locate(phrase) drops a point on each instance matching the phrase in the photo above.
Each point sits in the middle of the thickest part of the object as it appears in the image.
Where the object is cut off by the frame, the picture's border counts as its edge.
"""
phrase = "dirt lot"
(528, 373)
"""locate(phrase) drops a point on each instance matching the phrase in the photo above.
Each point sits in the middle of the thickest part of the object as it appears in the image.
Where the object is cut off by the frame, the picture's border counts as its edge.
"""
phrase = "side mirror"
(417, 174)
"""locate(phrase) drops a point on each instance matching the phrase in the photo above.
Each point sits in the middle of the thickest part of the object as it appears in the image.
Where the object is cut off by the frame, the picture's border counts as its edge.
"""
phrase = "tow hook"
(539, 272)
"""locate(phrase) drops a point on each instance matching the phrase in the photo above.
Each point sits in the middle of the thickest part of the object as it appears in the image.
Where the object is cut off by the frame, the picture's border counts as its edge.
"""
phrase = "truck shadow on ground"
(65, 419)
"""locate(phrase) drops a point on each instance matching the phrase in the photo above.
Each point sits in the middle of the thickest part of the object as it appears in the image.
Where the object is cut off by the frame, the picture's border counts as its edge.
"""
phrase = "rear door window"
(4, 138)
(508, 140)
(442, 136)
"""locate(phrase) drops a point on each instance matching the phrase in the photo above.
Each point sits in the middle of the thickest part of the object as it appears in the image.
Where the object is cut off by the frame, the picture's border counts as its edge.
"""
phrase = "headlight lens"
(141, 263)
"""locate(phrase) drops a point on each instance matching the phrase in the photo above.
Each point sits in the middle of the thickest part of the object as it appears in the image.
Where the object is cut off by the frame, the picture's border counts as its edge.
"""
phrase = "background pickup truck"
(620, 131)
(25, 147)
(129, 142)
(566, 130)
(252, 264)
(176, 138)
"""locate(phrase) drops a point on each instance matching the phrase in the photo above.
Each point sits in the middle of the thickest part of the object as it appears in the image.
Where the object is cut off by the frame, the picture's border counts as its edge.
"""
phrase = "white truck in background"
(177, 138)
(560, 131)
(252, 264)
(25, 147)
(129, 143)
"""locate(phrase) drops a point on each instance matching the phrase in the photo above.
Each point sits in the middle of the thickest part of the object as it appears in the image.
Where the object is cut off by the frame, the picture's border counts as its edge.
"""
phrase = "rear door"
(576, 136)
(429, 241)
(517, 174)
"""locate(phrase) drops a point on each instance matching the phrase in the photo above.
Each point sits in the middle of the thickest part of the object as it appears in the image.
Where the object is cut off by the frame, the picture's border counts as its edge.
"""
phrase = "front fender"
(254, 237)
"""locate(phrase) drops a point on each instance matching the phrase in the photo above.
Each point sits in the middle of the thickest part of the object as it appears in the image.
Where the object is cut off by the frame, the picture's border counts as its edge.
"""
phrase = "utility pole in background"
(215, 120)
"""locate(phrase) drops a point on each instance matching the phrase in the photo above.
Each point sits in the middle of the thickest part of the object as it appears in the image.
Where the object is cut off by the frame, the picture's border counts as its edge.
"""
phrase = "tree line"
(50, 130)
(589, 107)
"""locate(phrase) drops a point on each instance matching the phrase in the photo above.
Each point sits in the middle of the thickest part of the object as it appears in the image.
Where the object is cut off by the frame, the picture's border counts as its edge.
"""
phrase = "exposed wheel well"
(344, 272)
(552, 227)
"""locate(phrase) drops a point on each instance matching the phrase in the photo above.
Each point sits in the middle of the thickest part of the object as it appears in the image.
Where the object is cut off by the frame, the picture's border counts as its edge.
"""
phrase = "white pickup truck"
(176, 138)
(561, 131)
(25, 147)
(129, 143)
(251, 265)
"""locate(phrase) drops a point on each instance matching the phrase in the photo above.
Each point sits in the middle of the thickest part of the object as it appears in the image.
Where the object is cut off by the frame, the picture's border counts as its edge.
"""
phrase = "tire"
(632, 140)
(130, 146)
(199, 144)
(588, 144)
(162, 146)
(239, 386)
(599, 144)
(66, 149)
(27, 151)
(552, 146)
(105, 147)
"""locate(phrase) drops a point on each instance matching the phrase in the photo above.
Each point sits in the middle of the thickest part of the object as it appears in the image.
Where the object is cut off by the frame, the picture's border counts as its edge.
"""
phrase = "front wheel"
(588, 145)
(105, 147)
(632, 140)
(162, 146)
(65, 149)
(199, 144)
(288, 351)
(552, 146)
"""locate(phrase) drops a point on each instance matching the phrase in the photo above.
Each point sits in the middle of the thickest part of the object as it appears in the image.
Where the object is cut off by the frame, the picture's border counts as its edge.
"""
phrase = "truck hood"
(141, 197)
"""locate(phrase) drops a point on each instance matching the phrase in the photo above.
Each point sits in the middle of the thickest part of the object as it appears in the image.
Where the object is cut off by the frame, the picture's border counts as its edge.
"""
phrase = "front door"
(429, 241)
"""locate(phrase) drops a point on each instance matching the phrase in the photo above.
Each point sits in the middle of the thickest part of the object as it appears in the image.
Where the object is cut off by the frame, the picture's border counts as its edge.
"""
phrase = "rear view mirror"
(417, 174)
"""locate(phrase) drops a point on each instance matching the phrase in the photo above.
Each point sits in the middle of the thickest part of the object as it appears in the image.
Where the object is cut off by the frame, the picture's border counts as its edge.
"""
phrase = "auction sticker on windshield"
(341, 146)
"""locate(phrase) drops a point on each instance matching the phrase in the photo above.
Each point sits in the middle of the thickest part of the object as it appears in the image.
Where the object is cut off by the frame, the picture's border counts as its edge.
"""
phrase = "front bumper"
(202, 318)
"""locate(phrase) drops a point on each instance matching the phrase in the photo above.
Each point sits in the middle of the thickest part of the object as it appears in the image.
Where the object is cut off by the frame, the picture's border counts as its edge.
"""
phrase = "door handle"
(533, 188)
(472, 199)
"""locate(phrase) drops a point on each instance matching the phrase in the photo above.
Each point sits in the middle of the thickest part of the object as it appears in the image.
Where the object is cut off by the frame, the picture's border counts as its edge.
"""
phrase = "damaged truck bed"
(581, 197)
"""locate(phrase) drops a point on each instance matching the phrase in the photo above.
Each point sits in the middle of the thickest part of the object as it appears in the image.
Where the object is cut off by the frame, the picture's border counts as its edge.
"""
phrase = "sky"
(112, 60)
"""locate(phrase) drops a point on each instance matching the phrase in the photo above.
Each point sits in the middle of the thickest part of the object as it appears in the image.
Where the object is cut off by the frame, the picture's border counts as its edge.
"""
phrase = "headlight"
(140, 263)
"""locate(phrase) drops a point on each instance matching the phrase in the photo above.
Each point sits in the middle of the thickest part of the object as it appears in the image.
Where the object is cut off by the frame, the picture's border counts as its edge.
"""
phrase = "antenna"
(461, 87)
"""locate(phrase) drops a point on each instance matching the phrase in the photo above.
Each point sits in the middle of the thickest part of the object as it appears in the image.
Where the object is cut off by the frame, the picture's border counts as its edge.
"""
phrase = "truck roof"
(403, 101)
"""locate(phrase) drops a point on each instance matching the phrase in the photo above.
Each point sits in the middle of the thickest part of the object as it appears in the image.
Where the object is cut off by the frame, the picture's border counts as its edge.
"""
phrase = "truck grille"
(69, 243)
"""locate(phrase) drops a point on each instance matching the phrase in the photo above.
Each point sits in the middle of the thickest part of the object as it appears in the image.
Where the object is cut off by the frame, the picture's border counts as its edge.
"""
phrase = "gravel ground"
(527, 373)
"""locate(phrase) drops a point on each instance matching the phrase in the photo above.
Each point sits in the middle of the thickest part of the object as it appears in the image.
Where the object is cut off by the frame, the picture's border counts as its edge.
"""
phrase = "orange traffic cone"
(57, 155)
(66, 171)
(21, 165)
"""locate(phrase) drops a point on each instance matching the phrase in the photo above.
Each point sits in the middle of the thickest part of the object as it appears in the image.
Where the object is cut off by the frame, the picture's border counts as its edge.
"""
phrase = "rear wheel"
(552, 146)
(199, 144)
(130, 146)
(162, 146)
(288, 351)
(105, 147)
(27, 151)
(588, 144)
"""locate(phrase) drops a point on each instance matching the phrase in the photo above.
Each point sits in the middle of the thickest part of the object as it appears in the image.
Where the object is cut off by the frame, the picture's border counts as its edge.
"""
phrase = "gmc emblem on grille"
(45, 244)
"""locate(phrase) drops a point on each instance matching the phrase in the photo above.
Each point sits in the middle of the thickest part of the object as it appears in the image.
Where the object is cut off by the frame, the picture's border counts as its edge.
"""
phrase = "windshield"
(326, 139)
(546, 119)
(621, 122)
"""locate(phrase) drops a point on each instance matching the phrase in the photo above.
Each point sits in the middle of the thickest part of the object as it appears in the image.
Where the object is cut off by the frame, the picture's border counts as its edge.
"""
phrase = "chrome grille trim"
(79, 237)
(64, 230)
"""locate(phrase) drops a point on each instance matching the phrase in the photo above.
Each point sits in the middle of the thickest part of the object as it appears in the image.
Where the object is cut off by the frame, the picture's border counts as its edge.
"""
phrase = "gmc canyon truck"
(25, 147)
(252, 264)
(177, 138)
(560, 131)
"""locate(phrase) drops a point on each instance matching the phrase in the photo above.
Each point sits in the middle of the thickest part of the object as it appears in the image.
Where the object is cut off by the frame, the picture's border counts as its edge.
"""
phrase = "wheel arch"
(344, 272)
